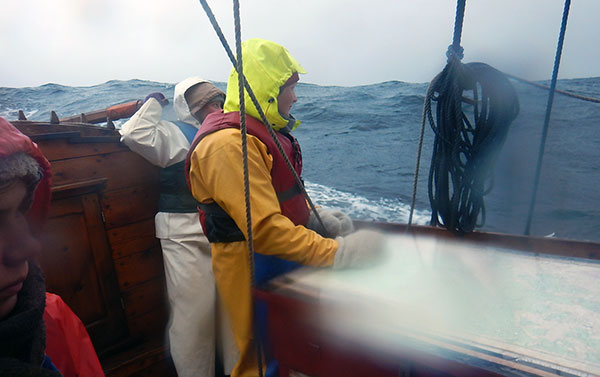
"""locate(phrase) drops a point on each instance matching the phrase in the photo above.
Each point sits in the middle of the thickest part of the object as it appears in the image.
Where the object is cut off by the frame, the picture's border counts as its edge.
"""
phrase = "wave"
(361, 208)
(359, 148)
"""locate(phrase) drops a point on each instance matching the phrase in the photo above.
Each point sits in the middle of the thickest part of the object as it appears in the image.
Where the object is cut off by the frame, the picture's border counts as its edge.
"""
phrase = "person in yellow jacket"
(281, 218)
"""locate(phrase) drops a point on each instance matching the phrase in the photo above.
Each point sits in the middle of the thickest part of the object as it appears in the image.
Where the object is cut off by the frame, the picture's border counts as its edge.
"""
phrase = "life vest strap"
(289, 193)
(218, 225)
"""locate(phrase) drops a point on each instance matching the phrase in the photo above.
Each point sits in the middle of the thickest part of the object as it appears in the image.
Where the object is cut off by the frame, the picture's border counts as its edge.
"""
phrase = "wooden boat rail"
(539, 245)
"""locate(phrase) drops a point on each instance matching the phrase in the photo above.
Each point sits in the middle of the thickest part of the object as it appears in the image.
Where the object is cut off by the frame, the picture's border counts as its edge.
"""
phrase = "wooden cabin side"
(100, 253)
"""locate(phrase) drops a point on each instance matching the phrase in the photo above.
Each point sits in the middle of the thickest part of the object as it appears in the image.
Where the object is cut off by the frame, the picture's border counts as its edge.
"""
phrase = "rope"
(244, 136)
(538, 169)
(563, 92)
(263, 118)
(426, 109)
(454, 52)
(465, 149)
(455, 48)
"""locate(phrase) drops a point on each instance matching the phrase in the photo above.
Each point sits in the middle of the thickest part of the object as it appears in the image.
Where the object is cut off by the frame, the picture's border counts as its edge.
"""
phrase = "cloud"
(339, 42)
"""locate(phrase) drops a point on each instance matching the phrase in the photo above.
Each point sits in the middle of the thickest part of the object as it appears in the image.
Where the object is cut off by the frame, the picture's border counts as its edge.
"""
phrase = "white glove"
(336, 222)
(361, 248)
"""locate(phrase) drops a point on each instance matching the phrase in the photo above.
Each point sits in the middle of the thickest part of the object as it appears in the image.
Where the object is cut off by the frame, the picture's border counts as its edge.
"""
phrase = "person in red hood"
(39, 334)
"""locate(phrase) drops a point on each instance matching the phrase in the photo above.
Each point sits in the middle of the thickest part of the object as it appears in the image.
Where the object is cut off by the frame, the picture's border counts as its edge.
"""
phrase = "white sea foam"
(13, 114)
(358, 207)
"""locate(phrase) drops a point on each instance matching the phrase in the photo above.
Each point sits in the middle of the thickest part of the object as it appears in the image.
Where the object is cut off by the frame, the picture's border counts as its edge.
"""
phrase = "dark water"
(360, 146)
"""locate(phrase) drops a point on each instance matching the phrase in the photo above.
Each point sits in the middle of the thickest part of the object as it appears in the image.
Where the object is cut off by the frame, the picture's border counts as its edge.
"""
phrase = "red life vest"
(291, 200)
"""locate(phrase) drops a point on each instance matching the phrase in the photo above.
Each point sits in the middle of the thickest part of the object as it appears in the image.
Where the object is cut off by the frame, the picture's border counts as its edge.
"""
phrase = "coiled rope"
(465, 147)
(455, 52)
(453, 49)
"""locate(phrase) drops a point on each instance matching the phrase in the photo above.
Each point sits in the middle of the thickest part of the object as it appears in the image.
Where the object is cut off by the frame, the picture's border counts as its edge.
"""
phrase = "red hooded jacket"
(67, 342)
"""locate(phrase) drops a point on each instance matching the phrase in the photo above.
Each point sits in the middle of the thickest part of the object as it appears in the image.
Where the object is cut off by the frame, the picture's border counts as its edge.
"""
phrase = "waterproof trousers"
(196, 324)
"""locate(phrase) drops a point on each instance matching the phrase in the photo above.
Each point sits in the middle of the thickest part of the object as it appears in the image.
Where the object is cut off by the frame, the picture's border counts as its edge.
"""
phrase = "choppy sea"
(360, 143)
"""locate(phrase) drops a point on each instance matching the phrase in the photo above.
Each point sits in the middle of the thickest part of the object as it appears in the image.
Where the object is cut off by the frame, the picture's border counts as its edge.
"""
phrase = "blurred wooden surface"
(433, 306)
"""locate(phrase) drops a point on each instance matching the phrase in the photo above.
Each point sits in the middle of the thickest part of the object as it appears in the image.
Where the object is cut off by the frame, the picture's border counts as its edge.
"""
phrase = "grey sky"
(339, 42)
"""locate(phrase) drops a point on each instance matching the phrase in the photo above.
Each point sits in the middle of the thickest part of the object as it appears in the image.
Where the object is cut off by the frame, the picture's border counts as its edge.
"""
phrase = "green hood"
(267, 66)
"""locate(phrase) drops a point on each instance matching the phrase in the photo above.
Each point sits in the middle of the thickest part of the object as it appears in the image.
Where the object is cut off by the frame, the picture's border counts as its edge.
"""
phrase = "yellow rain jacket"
(216, 175)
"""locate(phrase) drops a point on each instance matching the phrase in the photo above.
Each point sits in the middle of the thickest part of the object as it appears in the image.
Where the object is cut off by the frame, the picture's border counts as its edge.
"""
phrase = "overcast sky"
(339, 42)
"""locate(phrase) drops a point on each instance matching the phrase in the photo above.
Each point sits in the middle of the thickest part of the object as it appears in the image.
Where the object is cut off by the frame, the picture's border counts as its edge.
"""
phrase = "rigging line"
(563, 92)
(244, 135)
(557, 57)
(263, 118)
(426, 108)
(454, 51)
(454, 48)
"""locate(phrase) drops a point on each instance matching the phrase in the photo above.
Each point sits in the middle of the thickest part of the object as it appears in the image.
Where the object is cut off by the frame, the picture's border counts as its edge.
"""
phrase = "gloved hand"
(159, 97)
(359, 249)
(336, 222)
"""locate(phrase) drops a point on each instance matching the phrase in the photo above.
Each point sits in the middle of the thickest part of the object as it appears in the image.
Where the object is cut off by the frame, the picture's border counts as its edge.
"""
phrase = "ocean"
(359, 147)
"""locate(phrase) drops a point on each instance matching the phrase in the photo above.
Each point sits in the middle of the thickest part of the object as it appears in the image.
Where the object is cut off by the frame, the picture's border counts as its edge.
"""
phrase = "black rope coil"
(475, 105)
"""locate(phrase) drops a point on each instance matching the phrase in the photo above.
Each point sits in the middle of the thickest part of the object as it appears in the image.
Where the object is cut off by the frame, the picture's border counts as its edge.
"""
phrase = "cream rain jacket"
(186, 251)
(160, 141)
(216, 175)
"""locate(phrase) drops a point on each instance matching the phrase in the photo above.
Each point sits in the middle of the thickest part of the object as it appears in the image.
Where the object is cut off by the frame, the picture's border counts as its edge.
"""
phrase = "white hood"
(179, 103)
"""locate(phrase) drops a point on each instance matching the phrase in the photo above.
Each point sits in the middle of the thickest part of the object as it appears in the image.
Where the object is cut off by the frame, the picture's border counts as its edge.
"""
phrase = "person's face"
(286, 99)
(211, 107)
(17, 245)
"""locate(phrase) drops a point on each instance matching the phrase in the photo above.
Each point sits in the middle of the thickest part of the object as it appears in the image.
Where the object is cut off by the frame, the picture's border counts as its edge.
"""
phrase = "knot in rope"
(454, 52)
